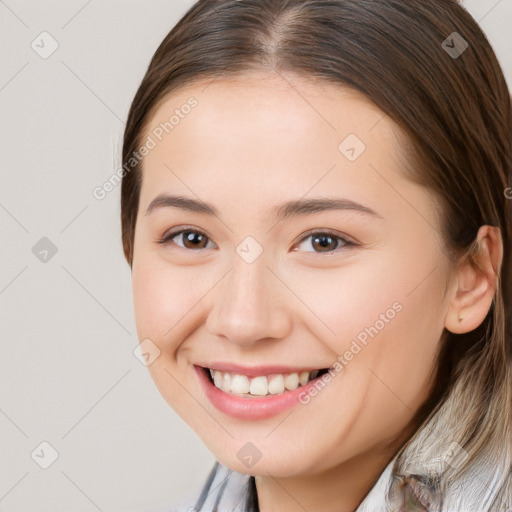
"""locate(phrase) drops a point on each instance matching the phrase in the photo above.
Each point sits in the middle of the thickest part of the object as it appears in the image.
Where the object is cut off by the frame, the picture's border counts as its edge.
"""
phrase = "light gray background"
(68, 375)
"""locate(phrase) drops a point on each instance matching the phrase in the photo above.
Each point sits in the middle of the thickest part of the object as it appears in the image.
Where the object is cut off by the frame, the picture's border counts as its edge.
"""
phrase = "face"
(312, 252)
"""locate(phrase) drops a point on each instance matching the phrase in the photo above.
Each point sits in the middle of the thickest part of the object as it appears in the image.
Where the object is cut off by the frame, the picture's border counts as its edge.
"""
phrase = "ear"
(476, 282)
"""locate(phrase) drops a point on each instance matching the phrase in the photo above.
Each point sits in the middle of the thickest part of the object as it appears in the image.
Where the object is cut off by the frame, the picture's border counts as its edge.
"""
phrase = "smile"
(264, 393)
(261, 385)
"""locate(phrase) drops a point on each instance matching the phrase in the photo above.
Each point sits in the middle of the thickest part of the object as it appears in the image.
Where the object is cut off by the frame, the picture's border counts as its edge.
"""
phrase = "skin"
(250, 144)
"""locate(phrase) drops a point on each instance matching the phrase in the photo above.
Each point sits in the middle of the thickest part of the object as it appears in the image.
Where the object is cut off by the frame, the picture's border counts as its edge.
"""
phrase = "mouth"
(260, 386)
(257, 393)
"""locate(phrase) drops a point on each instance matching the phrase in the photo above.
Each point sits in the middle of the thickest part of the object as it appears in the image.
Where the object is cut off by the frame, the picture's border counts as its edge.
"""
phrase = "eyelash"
(346, 242)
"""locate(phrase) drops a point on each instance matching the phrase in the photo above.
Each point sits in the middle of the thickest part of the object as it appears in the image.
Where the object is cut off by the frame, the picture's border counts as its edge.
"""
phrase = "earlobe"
(476, 282)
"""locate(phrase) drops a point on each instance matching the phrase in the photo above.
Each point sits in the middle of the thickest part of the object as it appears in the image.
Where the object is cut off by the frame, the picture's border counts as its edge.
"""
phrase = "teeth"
(217, 378)
(226, 383)
(262, 385)
(276, 384)
(304, 377)
(240, 384)
(259, 386)
(291, 381)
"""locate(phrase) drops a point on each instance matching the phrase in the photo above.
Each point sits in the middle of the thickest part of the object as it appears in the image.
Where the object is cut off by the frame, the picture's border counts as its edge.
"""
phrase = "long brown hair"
(430, 68)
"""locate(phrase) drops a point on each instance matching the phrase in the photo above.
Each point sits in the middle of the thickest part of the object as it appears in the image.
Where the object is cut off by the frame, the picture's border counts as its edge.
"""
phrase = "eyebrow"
(286, 210)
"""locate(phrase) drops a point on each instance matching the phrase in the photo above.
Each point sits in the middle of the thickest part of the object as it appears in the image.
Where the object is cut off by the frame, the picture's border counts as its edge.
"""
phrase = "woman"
(316, 213)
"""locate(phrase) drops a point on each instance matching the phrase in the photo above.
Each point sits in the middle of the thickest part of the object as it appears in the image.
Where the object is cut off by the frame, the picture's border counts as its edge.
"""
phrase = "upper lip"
(255, 371)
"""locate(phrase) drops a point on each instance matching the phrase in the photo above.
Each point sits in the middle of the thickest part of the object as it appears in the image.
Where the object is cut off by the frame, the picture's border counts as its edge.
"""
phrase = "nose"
(248, 305)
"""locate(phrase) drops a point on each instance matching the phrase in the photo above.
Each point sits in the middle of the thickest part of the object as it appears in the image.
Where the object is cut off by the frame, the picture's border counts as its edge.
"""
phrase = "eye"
(191, 239)
(326, 241)
(321, 241)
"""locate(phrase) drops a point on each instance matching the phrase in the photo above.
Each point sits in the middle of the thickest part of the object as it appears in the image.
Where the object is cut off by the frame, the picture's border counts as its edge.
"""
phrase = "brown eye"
(193, 240)
(324, 241)
(190, 239)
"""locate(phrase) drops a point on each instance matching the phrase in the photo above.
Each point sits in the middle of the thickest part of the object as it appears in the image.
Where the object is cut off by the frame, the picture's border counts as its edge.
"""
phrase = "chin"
(279, 462)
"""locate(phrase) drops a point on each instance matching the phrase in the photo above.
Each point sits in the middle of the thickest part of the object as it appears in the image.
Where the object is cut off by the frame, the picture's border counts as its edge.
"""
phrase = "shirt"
(226, 491)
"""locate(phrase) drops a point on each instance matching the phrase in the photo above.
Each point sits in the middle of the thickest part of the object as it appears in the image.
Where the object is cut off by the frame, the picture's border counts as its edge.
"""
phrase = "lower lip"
(250, 408)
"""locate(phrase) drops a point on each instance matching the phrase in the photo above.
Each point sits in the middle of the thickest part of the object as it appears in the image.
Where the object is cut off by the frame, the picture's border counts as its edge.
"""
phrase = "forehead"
(273, 102)
(278, 135)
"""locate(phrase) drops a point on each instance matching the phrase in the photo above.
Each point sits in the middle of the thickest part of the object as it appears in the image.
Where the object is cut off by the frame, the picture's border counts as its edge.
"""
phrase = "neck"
(339, 489)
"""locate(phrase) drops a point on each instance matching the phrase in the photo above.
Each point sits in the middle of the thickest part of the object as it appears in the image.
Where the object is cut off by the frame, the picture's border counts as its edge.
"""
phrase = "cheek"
(148, 298)
(169, 300)
(166, 312)
(339, 303)
(386, 335)
(377, 315)
(160, 298)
